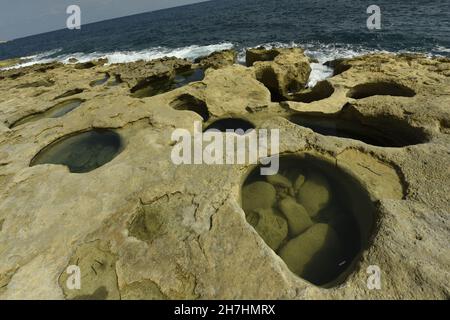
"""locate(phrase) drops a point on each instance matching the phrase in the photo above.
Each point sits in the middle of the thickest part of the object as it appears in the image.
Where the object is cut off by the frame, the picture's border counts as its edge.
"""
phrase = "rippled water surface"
(324, 27)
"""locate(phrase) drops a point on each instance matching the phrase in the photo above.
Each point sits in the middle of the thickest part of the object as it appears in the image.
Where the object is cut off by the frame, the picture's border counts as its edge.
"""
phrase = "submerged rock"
(313, 254)
(282, 185)
(252, 218)
(279, 180)
(296, 215)
(298, 183)
(314, 194)
(258, 195)
(272, 228)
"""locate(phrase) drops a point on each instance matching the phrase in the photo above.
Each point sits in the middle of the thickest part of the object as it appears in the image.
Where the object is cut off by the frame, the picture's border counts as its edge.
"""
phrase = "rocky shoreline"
(140, 227)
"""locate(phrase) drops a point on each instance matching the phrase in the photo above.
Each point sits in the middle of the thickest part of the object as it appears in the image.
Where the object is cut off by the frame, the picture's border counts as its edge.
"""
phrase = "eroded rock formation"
(142, 227)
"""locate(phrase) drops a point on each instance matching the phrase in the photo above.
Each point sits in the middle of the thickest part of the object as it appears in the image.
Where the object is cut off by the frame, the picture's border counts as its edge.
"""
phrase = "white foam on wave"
(316, 50)
(319, 72)
(329, 52)
(270, 45)
(189, 52)
(43, 57)
(321, 53)
(441, 49)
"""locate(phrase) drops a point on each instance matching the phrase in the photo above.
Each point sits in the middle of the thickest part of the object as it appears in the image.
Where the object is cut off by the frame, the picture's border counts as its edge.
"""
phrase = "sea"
(325, 29)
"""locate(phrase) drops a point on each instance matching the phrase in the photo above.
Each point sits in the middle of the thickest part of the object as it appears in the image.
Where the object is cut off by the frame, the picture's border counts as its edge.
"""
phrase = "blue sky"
(20, 18)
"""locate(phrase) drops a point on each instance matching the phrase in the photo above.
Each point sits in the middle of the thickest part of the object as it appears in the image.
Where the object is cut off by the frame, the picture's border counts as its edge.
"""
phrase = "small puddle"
(100, 82)
(69, 93)
(185, 78)
(57, 111)
(393, 89)
(314, 216)
(381, 132)
(159, 86)
(82, 152)
(152, 88)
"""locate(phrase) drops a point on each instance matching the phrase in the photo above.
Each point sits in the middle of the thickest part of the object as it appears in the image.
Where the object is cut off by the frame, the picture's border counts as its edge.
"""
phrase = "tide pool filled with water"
(82, 152)
(314, 216)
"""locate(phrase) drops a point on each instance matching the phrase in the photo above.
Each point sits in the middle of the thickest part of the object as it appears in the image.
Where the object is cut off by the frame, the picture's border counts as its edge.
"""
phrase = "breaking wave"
(320, 52)
(189, 52)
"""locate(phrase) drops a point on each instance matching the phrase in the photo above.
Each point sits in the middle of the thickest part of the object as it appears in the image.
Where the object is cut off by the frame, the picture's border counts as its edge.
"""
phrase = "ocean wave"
(328, 52)
(318, 51)
(441, 49)
(189, 52)
(322, 53)
(43, 57)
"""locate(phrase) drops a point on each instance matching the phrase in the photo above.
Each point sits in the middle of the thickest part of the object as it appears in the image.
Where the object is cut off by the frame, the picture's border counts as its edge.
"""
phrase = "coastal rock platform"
(141, 227)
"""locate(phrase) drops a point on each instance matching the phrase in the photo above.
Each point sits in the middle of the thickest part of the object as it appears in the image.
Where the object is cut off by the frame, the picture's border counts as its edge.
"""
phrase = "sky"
(21, 18)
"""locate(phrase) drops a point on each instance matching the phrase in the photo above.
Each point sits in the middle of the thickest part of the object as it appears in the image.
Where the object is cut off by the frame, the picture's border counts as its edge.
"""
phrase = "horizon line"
(99, 21)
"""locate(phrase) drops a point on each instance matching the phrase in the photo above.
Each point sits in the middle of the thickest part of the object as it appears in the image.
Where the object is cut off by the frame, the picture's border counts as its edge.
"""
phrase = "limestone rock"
(272, 228)
(9, 62)
(299, 182)
(314, 194)
(143, 290)
(279, 180)
(252, 218)
(257, 195)
(312, 252)
(89, 64)
(84, 65)
(217, 60)
(178, 231)
(98, 275)
(260, 54)
(140, 72)
(296, 215)
(35, 71)
(282, 185)
(224, 94)
(287, 73)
